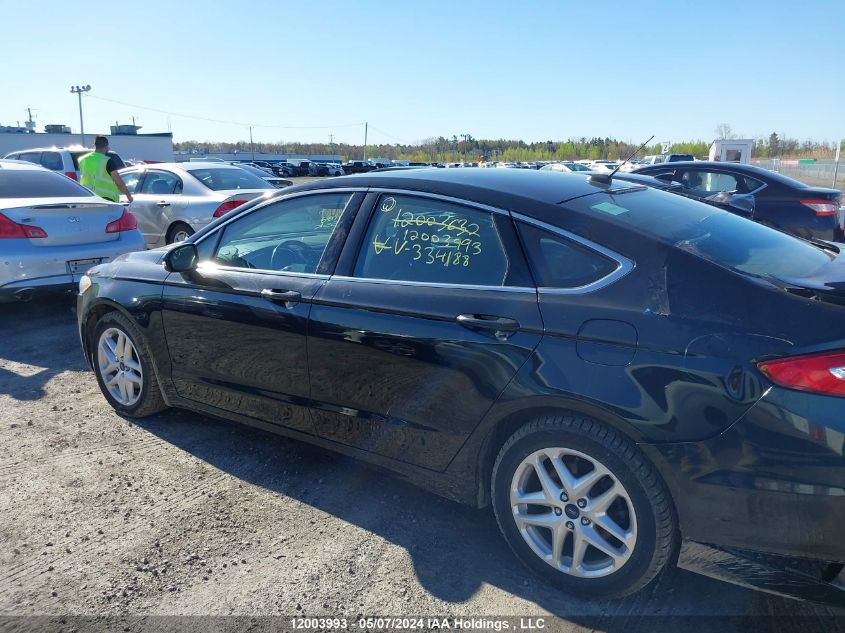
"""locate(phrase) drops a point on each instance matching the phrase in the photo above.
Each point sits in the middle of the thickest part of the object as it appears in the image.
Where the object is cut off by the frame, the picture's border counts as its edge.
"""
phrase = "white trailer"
(732, 150)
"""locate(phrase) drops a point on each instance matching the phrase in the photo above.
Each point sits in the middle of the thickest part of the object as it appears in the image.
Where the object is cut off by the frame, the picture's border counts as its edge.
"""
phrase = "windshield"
(224, 179)
(37, 183)
(718, 236)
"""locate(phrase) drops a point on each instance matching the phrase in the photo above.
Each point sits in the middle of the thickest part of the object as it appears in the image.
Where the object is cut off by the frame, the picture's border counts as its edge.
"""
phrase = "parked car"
(656, 159)
(603, 166)
(173, 200)
(357, 167)
(64, 160)
(265, 175)
(616, 369)
(771, 198)
(52, 230)
(565, 166)
(335, 169)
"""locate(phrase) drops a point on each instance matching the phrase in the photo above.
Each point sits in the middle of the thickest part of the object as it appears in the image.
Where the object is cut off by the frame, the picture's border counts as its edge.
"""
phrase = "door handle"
(485, 322)
(281, 296)
(162, 203)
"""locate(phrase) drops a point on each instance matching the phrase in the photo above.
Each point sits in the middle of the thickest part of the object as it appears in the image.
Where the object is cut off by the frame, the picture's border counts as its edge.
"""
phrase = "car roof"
(54, 148)
(488, 186)
(186, 166)
(8, 163)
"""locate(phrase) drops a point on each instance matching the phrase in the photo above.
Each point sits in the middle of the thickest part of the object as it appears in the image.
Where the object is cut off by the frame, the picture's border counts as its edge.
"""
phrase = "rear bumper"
(774, 482)
(31, 269)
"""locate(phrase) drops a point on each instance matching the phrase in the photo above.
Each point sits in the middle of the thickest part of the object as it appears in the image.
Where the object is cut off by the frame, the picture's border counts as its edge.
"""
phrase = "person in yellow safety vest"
(98, 172)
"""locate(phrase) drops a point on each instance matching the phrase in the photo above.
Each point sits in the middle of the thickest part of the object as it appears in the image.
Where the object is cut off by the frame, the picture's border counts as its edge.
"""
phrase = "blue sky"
(415, 69)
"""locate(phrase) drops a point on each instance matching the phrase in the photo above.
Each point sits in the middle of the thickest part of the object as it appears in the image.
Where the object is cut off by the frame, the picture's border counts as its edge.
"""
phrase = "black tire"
(657, 534)
(178, 226)
(150, 400)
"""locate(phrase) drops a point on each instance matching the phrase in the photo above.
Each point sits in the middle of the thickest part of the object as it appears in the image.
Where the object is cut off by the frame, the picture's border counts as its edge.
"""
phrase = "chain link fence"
(816, 173)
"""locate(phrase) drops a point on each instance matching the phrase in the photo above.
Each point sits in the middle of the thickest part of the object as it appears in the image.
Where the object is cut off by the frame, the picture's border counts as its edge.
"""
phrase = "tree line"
(466, 148)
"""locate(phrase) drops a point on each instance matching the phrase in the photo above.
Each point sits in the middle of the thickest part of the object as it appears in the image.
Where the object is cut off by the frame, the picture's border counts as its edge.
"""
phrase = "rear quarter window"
(558, 262)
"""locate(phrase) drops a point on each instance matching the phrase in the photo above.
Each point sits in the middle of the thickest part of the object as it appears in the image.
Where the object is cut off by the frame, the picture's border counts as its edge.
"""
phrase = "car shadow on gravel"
(456, 550)
(30, 358)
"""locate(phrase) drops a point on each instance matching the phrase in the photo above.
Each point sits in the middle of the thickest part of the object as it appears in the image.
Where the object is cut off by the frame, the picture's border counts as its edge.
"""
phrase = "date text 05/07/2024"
(419, 624)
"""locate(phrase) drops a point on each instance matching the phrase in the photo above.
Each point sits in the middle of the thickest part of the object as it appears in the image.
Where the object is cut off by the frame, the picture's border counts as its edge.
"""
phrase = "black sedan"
(629, 377)
(770, 198)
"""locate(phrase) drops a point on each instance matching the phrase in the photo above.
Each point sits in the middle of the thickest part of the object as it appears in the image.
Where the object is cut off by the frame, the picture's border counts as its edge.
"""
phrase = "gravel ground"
(182, 514)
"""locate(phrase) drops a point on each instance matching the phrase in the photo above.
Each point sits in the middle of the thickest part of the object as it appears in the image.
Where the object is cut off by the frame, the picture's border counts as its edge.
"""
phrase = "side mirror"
(742, 204)
(182, 259)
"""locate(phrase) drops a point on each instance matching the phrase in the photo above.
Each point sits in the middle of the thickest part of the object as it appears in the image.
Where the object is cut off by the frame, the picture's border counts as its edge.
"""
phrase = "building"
(154, 147)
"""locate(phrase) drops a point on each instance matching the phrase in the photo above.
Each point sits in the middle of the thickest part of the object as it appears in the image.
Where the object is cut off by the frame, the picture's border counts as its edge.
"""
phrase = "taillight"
(126, 222)
(821, 207)
(71, 175)
(224, 208)
(11, 229)
(819, 373)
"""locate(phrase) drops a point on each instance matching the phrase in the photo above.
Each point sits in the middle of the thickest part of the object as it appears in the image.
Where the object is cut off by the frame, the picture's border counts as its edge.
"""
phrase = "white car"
(172, 201)
(565, 166)
(604, 166)
(64, 160)
(52, 230)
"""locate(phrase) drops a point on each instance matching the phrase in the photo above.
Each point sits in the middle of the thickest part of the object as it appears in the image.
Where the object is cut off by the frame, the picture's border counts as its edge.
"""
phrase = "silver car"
(174, 200)
(52, 230)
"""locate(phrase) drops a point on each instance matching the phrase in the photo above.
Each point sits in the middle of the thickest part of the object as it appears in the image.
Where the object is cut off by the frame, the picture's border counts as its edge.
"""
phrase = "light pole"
(78, 90)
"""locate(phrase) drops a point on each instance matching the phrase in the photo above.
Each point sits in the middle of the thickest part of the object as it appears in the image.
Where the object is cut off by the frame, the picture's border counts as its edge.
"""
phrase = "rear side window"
(36, 183)
(426, 240)
(52, 160)
(558, 262)
(718, 236)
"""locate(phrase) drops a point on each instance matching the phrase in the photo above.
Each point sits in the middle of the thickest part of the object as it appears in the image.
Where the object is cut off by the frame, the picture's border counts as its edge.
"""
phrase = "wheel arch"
(506, 423)
(89, 324)
(174, 222)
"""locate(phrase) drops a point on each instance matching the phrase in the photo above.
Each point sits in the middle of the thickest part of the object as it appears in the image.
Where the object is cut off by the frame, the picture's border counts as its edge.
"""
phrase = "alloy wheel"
(180, 236)
(120, 366)
(573, 512)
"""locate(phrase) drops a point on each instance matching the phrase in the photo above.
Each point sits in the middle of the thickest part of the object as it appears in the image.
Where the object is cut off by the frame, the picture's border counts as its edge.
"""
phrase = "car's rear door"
(236, 327)
(430, 314)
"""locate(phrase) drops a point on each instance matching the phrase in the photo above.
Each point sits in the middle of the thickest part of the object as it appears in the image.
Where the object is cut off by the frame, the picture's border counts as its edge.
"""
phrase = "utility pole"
(251, 146)
(331, 139)
(78, 90)
(365, 141)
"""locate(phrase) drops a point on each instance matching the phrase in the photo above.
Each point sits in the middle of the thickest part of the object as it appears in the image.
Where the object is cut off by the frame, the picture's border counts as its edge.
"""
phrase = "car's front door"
(430, 314)
(159, 195)
(236, 327)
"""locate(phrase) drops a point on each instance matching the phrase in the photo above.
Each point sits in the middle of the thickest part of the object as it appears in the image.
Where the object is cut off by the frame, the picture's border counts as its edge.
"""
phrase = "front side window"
(288, 236)
(426, 240)
(558, 262)
(130, 179)
(161, 183)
